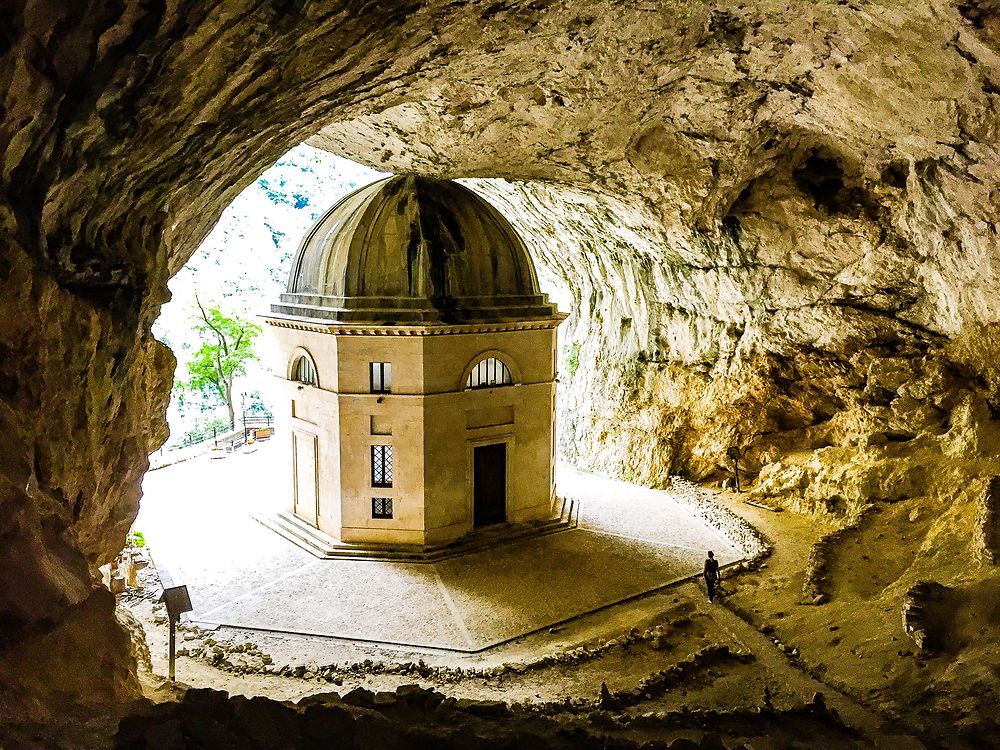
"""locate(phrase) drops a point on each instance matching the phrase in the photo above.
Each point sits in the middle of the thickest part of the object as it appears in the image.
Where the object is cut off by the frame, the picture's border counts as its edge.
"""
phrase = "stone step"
(318, 543)
(323, 545)
(301, 533)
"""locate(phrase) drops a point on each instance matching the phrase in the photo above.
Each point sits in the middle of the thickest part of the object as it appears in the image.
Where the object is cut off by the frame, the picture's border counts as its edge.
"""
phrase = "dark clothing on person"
(711, 576)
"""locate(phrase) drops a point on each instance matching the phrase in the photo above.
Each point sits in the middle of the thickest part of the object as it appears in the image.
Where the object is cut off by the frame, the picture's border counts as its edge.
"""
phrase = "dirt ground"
(685, 631)
(856, 641)
(783, 651)
(853, 647)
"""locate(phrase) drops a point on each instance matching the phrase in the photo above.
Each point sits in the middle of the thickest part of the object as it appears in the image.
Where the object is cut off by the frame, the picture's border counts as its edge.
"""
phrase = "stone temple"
(419, 361)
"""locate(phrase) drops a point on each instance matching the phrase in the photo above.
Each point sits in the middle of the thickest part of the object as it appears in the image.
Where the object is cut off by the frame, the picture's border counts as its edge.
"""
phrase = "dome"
(411, 249)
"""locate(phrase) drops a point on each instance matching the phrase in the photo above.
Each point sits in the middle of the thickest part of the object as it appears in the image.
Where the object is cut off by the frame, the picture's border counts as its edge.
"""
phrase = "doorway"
(489, 484)
(306, 477)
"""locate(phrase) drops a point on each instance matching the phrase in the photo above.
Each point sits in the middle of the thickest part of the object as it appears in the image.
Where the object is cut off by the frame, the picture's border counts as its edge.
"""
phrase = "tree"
(227, 345)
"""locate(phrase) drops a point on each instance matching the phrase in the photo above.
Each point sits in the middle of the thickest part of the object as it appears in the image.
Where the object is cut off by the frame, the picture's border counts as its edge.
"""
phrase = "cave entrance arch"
(130, 146)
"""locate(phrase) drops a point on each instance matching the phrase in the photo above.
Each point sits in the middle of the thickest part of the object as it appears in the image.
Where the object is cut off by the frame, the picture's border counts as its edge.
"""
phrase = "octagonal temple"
(418, 361)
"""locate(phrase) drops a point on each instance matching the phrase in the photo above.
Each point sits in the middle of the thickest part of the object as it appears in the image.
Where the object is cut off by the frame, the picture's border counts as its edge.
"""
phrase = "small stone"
(606, 699)
(359, 696)
(433, 698)
(681, 743)
(448, 703)
(406, 692)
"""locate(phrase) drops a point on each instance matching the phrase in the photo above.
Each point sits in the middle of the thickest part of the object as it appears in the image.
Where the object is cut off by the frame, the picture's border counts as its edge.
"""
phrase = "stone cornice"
(409, 329)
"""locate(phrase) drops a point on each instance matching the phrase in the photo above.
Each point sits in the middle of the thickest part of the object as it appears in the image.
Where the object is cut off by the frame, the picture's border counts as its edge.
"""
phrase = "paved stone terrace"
(196, 518)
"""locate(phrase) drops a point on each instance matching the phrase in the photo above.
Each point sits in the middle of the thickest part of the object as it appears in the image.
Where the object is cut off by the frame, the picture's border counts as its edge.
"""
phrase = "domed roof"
(410, 249)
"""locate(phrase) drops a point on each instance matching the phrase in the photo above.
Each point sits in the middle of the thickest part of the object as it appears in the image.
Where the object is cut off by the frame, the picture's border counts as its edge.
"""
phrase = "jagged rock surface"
(779, 225)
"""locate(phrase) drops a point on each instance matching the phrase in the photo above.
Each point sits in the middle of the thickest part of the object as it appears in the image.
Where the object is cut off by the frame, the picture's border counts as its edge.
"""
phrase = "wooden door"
(489, 484)
(306, 477)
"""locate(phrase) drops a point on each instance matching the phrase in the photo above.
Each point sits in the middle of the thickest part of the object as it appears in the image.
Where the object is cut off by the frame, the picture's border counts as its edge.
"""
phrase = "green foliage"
(138, 539)
(573, 358)
(227, 344)
(204, 429)
(194, 402)
(256, 405)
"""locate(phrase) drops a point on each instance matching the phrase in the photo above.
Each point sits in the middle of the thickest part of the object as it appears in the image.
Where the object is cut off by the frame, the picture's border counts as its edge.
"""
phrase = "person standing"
(712, 576)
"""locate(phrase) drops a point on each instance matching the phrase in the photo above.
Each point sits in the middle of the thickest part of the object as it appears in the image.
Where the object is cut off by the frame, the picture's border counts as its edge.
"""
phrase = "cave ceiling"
(768, 156)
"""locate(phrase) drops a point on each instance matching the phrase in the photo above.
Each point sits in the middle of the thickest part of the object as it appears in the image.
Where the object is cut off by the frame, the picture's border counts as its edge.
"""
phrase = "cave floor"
(196, 516)
(570, 664)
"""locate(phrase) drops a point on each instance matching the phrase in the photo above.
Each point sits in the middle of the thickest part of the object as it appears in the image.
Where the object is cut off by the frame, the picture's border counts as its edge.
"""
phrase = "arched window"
(304, 370)
(489, 373)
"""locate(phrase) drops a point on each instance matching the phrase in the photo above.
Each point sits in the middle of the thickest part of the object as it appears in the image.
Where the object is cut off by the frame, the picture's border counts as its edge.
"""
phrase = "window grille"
(489, 373)
(381, 466)
(381, 377)
(381, 507)
(304, 371)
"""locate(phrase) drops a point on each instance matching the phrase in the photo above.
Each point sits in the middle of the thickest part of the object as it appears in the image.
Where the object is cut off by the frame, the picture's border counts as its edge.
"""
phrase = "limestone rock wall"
(82, 399)
(988, 523)
(125, 129)
(778, 222)
(667, 363)
(784, 206)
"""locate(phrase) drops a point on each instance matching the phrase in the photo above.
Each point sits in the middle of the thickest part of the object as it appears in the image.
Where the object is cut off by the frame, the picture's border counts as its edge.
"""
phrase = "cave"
(779, 229)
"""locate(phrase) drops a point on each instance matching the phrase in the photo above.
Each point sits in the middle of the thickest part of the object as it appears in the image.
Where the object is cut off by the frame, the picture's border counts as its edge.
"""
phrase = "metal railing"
(194, 437)
(250, 427)
(233, 434)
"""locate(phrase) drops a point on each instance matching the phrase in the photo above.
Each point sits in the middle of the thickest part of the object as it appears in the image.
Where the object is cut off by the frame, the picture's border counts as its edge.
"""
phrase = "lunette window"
(304, 371)
(489, 373)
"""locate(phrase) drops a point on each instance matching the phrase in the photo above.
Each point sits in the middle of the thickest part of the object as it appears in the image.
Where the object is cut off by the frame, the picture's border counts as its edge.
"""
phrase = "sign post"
(178, 601)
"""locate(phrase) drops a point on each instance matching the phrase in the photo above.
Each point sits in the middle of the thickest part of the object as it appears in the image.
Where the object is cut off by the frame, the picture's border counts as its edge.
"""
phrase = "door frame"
(507, 438)
(296, 435)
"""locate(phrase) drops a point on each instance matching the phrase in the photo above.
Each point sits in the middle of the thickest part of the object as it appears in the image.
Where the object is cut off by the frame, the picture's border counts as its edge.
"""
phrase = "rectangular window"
(381, 466)
(381, 377)
(381, 507)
